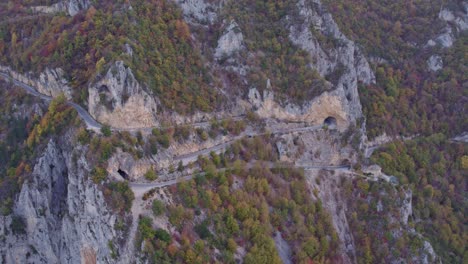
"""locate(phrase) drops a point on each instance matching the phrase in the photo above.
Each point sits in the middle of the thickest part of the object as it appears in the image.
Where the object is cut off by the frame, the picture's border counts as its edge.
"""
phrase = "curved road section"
(91, 123)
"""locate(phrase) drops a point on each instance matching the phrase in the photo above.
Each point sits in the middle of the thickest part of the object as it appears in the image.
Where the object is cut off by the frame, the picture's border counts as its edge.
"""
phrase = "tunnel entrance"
(123, 174)
(330, 122)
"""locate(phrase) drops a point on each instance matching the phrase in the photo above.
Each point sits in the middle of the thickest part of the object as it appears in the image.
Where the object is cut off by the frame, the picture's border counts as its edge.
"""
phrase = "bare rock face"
(456, 22)
(123, 165)
(119, 101)
(343, 60)
(328, 104)
(200, 11)
(75, 6)
(51, 82)
(230, 42)
(460, 19)
(435, 63)
(445, 39)
(65, 215)
(406, 209)
(72, 7)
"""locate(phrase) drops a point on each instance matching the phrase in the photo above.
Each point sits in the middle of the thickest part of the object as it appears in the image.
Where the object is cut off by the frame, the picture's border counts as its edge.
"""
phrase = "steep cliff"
(120, 101)
(60, 215)
(342, 61)
(51, 82)
(71, 7)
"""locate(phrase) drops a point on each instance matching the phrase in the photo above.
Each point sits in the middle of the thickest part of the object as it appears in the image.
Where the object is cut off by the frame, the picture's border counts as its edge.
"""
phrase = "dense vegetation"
(244, 206)
(433, 168)
(267, 51)
(375, 219)
(164, 57)
(407, 98)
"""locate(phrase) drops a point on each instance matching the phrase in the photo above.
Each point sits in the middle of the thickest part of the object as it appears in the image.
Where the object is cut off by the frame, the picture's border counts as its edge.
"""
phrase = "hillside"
(208, 131)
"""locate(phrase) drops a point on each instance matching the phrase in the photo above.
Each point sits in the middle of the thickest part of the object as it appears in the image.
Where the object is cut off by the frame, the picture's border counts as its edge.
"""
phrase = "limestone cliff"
(71, 7)
(230, 42)
(120, 101)
(344, 60)
(343, 65)
(66, 219)
(199, 11)
(51, 82)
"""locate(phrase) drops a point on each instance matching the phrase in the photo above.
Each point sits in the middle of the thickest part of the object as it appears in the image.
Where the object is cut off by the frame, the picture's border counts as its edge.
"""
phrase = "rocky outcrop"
(445, 39)
(459, 19)
(123, 165)
(435, 63)
(406, 209)
(230, 42)
(344, 61)
(71, 7)
(65, 216)
(335, 203)
(328, 104)
(51, 82)
(200, 11)
(119, 101)
(456, 22)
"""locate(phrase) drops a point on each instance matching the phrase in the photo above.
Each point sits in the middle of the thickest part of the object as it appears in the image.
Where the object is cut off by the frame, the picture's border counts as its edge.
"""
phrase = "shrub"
(158, 208)
(106, 131)
(150, 175)
(83, 136)
(162, 235)
(120, 195)
(99, 174)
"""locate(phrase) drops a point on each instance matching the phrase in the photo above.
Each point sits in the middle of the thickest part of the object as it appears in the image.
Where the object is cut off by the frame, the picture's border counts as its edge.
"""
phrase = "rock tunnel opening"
(123, 173)
(330, 122)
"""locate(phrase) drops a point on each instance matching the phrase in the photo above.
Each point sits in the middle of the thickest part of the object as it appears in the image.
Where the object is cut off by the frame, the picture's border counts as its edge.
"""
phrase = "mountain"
(200, 131)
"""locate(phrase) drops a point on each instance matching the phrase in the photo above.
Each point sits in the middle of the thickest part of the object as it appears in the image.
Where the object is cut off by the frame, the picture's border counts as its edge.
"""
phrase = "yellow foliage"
(464, 162)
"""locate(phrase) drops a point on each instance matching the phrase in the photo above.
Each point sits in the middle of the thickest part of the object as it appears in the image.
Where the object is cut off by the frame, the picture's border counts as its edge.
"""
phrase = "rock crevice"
(66, 218)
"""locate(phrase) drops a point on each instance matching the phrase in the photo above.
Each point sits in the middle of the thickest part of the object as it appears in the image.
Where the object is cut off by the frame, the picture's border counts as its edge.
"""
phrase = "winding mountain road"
(139, 188)
(91, 123)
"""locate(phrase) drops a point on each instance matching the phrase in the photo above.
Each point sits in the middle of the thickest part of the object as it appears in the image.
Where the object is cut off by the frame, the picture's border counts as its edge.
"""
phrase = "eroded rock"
(345, 58)
(328, 104)
(65, 215)
(119, 101)
(435, 63)
(71, 7)
(200, 11)
(230, 42)
(51, 82)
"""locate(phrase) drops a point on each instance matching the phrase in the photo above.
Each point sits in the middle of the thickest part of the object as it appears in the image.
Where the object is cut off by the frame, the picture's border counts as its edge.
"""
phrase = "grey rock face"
(75, 6)
(345, 58)
(455, 22)
(445, 39)
(406, 208)
(72, 7)
(51, 82)
(119, 100)
(200, 11)
(230, 42)
(435, 63)
(66, 217)
(460, 19)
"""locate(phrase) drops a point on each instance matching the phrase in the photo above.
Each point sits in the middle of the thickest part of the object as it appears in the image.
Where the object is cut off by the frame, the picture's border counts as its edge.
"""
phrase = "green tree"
(106, 131)
(158, 208)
